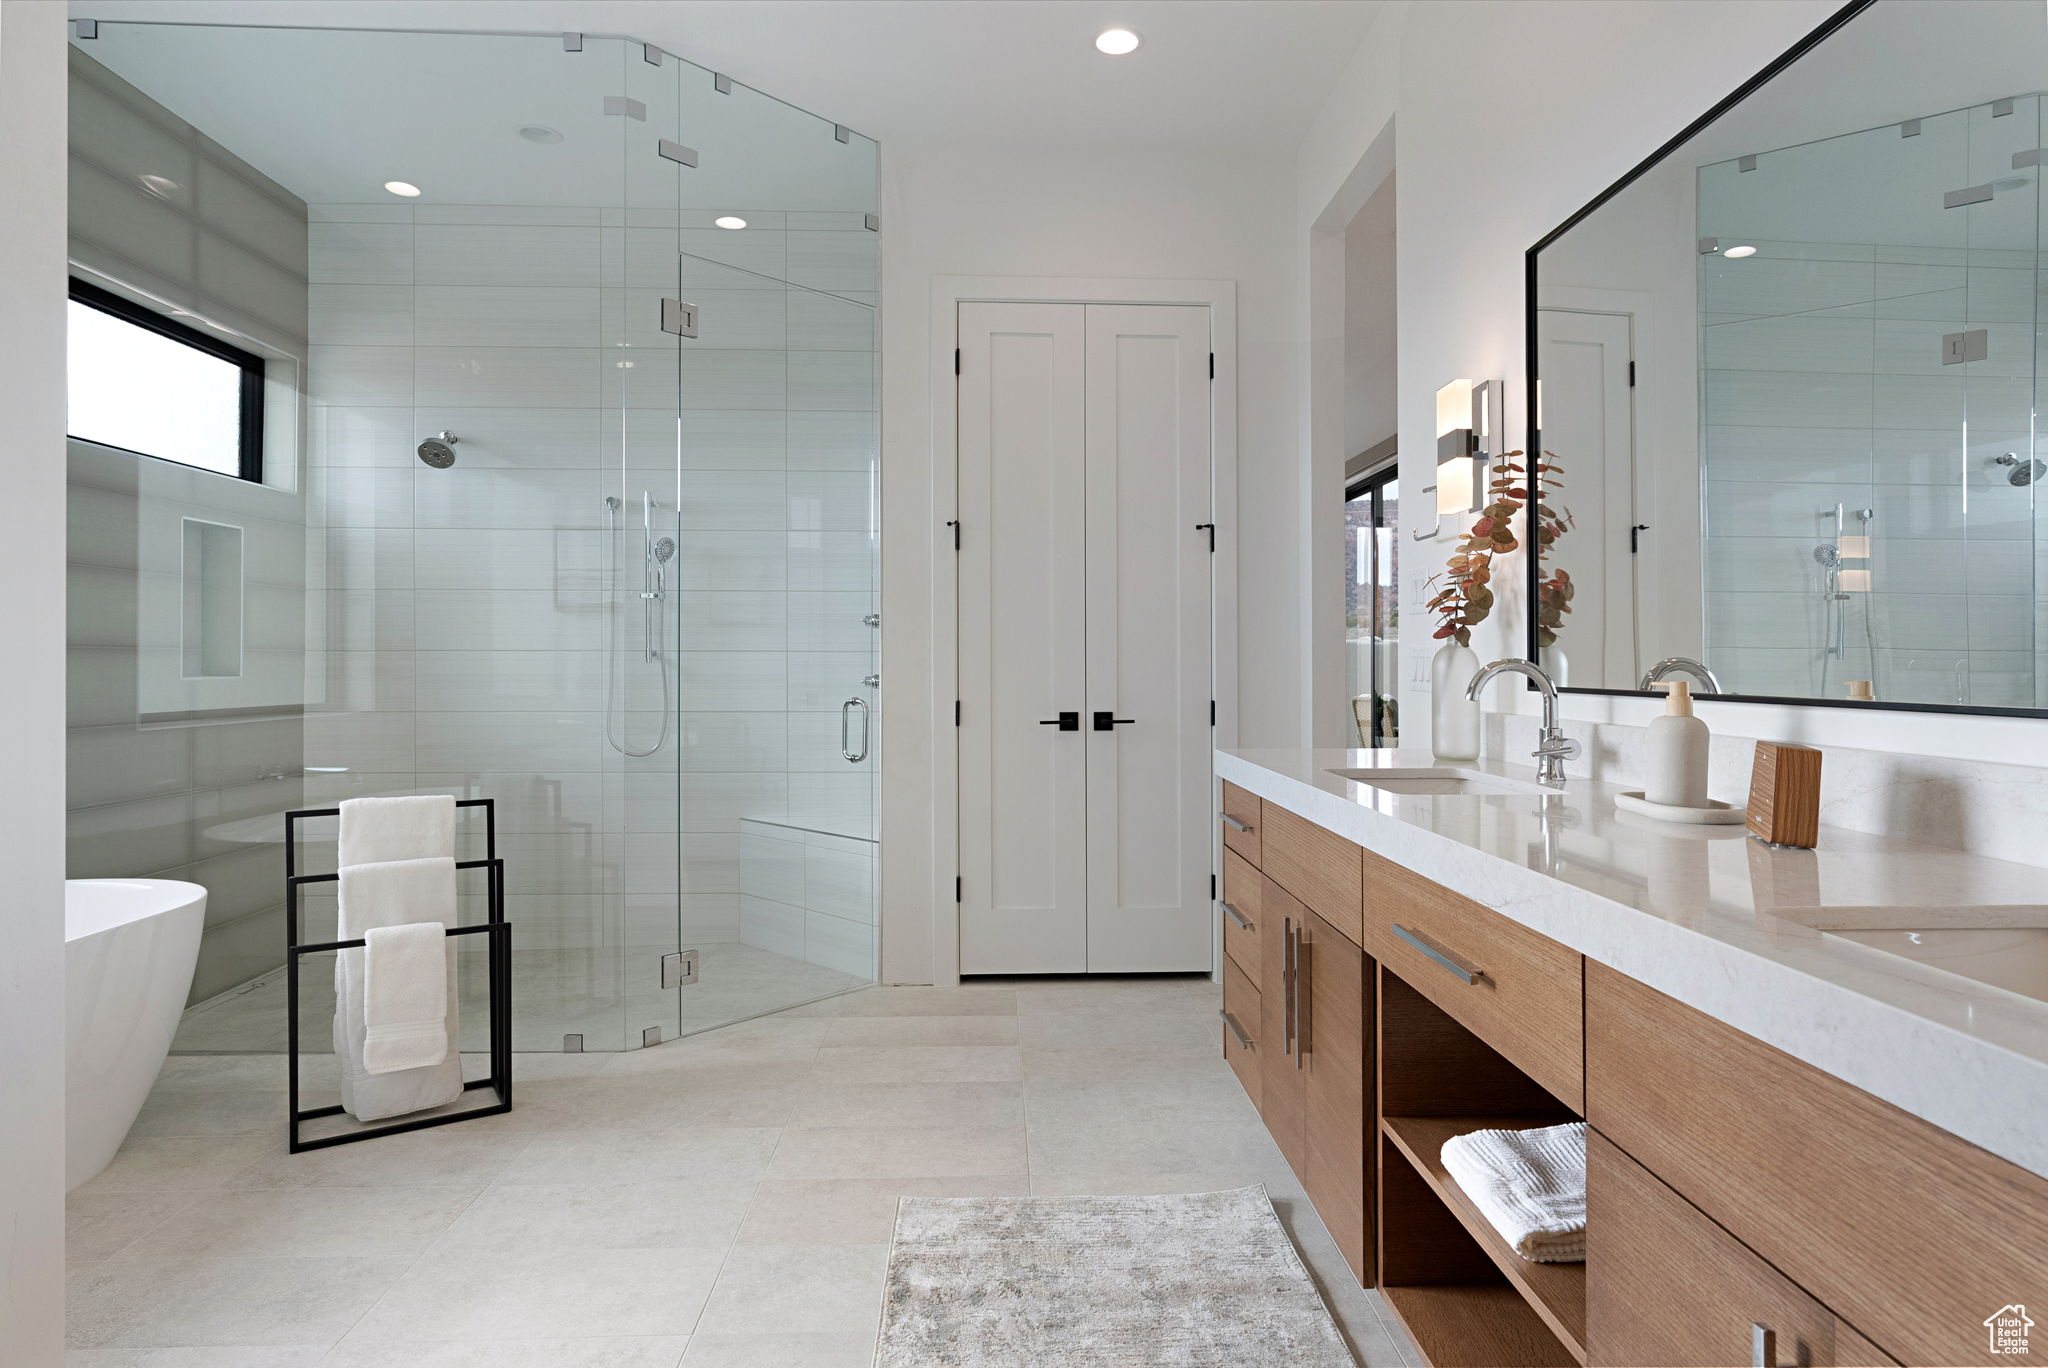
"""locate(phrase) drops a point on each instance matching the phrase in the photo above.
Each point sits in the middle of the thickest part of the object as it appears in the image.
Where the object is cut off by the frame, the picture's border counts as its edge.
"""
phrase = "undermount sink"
(1440, 782)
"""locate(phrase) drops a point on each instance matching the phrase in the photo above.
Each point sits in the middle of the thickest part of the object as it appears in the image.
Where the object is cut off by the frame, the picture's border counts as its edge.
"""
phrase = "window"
(149, 384)
(1372, 602)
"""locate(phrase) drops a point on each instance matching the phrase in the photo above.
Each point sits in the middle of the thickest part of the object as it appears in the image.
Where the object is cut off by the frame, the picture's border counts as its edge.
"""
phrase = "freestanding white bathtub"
(129, 949)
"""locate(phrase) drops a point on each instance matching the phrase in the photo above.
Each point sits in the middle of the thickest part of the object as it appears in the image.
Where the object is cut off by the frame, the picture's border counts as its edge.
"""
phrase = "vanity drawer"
(1241, 1026)
(1520, 992)
(1242, 818)
(1670, 1287)
(1321, 869)
(1909, 1233)
(1241, 911)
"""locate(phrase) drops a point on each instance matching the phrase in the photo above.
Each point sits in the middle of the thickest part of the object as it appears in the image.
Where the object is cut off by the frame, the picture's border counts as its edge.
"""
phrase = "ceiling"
(1246, 75)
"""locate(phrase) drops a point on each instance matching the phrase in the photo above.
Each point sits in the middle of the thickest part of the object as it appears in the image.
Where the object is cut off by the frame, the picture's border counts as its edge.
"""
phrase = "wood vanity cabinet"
(1313, 1086)
(1297, 1003)
(1732, 1188)
(1677, 1290)
(1907, 1232)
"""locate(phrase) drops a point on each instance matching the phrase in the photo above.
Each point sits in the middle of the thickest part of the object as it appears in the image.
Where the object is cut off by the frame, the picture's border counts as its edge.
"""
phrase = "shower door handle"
(846, 749)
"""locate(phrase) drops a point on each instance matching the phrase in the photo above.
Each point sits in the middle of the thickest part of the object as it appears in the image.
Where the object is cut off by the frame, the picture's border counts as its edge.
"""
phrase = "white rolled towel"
(1530, 1185)
(405, 997)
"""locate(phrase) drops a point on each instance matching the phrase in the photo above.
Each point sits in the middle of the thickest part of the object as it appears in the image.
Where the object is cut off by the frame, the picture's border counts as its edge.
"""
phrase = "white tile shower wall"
(172, 777)
(1804, 411)
(808, 894)
(464, 623)
(1992, 810)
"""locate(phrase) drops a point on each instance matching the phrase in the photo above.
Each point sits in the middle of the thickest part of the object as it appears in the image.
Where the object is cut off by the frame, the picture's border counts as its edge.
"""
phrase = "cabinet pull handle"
(1235, 825)
(1243, 923)
(1450, 963)
(1304, 985)
(1244, 1042)
(1287, 985)
(1763, 1346)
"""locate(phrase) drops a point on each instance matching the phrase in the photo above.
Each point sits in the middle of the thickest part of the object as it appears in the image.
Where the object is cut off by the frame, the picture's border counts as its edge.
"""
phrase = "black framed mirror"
(1783, 380)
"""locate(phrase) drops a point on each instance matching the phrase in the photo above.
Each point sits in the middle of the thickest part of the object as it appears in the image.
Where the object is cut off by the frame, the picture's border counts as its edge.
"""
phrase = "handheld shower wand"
(655, 554)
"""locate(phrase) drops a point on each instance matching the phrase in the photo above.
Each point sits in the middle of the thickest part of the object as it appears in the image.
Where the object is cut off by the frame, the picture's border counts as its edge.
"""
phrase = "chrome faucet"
(1680, 665)
(1554, 747)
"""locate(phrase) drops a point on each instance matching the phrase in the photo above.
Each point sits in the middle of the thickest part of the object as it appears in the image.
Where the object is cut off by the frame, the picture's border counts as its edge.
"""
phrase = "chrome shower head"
(2021, 472)
(663, 549)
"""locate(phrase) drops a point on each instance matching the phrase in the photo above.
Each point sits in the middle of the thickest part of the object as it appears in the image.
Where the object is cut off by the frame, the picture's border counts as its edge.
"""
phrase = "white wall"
(1371, 339)
(1067, 211)
(32, 112)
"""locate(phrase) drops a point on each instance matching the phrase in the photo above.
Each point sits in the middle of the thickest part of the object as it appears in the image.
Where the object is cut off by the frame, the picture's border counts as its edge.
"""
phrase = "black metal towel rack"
(499, 936)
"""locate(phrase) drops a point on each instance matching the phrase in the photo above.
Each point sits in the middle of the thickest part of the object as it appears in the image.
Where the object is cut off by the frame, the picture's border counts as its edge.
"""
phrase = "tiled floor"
(554, 992)
(723, 1201)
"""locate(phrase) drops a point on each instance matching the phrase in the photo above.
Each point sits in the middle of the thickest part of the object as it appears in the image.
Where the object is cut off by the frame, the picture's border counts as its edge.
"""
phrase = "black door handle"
(1066, 721)
(1107, 722)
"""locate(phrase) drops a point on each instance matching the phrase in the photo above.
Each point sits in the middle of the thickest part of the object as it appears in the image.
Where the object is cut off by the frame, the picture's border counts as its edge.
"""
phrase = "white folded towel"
(395, 893)
(374, 830)
(405, 997)
(1530, 1185)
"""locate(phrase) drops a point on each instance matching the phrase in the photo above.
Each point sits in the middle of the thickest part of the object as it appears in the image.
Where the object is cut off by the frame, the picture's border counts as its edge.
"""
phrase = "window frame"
(249, 457)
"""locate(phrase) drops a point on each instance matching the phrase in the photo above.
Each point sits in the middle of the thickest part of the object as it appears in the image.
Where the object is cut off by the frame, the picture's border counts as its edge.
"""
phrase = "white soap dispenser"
(1677, 774)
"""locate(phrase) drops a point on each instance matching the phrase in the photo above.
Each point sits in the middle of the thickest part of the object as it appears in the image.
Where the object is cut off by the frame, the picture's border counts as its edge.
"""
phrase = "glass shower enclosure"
(571, 453)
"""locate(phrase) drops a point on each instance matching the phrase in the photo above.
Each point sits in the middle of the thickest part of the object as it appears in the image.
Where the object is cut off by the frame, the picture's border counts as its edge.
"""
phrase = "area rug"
(1190, 1281)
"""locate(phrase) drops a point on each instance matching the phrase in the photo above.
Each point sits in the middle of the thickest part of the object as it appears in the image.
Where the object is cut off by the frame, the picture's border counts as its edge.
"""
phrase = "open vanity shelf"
(1554, 1292)
(1464, 1295)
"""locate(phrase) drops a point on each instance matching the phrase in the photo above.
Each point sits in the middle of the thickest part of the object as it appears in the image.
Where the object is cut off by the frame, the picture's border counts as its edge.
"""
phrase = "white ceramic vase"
(1453, 718)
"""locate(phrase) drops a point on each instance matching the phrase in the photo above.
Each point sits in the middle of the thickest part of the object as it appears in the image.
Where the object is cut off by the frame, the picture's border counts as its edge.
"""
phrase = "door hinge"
(1212, 712)
(1210, 528)
(679, 970)
(1959, 347)
(959, 886)
(678, 318)
(676, 152)
(954, 523)
(956, 712)
(1631, 375)
(956, 360)
(1212, 365)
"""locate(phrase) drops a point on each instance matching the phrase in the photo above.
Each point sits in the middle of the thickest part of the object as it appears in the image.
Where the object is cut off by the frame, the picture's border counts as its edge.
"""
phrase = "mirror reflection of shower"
(1840, 583)
(655, 554)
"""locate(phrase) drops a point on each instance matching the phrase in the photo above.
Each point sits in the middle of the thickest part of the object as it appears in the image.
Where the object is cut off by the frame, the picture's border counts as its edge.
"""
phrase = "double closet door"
(1085, 638)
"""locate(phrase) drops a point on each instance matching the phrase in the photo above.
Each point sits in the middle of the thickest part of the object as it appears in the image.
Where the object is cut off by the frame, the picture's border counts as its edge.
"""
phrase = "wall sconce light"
(1467, 436)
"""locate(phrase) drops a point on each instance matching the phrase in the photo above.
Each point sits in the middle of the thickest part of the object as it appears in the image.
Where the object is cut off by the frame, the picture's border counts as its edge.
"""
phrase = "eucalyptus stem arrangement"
(1465, 598)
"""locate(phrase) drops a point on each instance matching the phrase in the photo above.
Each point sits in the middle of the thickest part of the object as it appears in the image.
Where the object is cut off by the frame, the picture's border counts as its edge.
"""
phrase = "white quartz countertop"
(1726, 924)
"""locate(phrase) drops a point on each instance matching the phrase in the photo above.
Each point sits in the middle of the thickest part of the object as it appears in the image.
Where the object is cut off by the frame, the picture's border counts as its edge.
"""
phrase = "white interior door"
(1084, 452)
(1149, 848)
(1023, 640)
(1589, 423)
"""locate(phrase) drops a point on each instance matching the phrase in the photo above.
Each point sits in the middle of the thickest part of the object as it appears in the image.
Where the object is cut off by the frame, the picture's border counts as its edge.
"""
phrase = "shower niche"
(628, 602)
(1788, 377)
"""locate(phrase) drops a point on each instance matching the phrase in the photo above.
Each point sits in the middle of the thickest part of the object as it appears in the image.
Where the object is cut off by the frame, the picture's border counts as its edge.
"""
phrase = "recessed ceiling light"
(1739, 252)
(730, 221)
(1117, 42)
(405, 188)
(539, 133)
